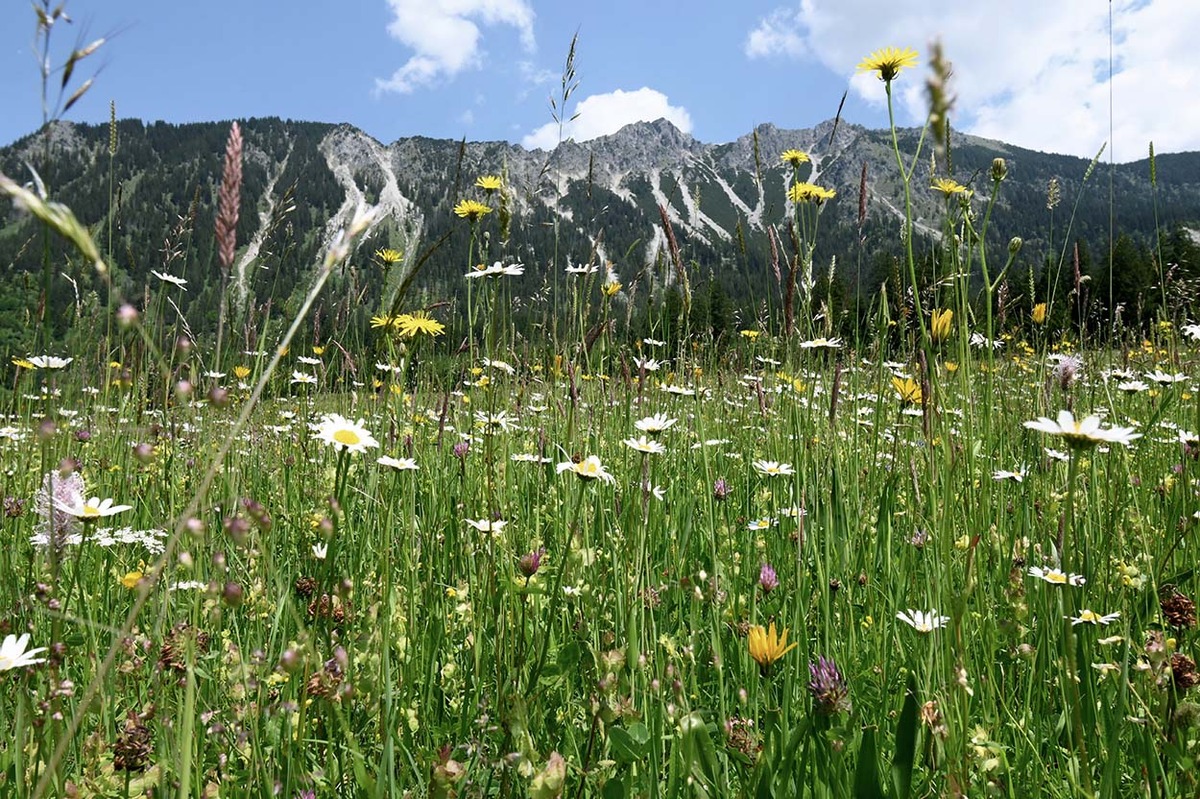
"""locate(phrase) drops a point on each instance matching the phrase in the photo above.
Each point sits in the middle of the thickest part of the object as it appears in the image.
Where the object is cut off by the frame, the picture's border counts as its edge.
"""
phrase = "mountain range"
(151, 203)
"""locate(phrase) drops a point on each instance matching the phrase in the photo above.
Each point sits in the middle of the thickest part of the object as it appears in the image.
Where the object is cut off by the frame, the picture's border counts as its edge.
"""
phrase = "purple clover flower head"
(828, 687)
(530, 562)
(721, 490)
(461, 449)
(919, 538)
(768, 580)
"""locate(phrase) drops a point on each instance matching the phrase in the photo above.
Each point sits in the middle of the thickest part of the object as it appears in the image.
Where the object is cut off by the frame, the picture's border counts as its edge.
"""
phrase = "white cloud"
(602, 114)
(445, 36)
(775, 36)
(1033, 73)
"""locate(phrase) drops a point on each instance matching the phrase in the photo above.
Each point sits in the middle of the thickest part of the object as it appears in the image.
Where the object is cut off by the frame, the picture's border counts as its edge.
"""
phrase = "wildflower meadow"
(950, 554)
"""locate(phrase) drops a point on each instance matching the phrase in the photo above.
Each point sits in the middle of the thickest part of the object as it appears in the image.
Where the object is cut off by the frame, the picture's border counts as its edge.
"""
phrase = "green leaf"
(629, 745)
(906, 743)
(866, 772)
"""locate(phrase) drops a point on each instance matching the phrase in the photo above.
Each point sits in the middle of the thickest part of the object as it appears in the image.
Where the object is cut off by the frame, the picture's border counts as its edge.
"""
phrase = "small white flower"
(178, 281)
(647, 446)
(773, 468)
(1132, 386)
(503, 366)
(528, 457)
(303, 378)
(399, 464)
(1192, 332)
(1088, 616)
(1056, 576)
(487, 525)
(653, 342)
(764, 523)
(1165, 379)
(654, 424)
(589, 468)
(94, 508)
(48, 361)
(304, 359)
(821, 343)
(1003, 474)
(647, 365)
(15, 654)
(320, 551)
(921, 621)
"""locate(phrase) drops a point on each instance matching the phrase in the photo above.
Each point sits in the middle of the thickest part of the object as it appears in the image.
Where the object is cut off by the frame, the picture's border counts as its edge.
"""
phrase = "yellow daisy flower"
(388, 256)
(766, 647)
(489, 183)
(888, 62)
(471, 209)
(810, 193)
(939, 324)
(908, 389)
(794, 157)
(949, 187)
(418, 323)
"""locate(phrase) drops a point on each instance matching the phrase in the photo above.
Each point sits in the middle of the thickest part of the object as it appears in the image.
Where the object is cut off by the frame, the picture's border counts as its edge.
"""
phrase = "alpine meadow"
(825, 462)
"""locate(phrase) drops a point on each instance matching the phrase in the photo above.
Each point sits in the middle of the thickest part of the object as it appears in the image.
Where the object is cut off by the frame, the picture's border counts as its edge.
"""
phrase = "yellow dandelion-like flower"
(23, 363)
(418, 323)
(1039, 314)
(383, 320)
(949, 187)
(810, 193)
(489, 183)
(241, 372)
(471, 209)
(612, 287)
(766, 647)
(939, 324)
(908, 389)
(794, 157)
(388, 256)
(888, 62)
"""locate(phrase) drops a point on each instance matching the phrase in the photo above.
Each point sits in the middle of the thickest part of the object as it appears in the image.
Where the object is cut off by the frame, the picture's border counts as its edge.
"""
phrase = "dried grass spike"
(229, 198)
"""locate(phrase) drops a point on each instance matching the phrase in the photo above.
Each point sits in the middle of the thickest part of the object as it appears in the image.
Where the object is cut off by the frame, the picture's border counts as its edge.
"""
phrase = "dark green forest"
(1117, 247)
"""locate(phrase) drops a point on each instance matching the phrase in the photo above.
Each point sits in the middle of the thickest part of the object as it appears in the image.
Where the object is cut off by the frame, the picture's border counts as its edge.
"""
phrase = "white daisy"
(645, 445)
(589, 468)
(773, 468)
(654, 424)
(921, 621)
(15, 654)
(344, 434)
(1088, 616)
(48, 361)
(1056, 576)
(1085, 433)
(94, 508)
(178, 281)
(399, 464)
(495, 526)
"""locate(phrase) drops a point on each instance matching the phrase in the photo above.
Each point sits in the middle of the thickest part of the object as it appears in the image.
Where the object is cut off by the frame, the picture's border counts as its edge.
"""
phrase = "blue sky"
(1034, 73)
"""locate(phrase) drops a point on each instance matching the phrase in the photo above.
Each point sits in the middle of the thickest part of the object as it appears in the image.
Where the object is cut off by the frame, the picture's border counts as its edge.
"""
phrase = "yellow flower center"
(347, 437)
(90, 511)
